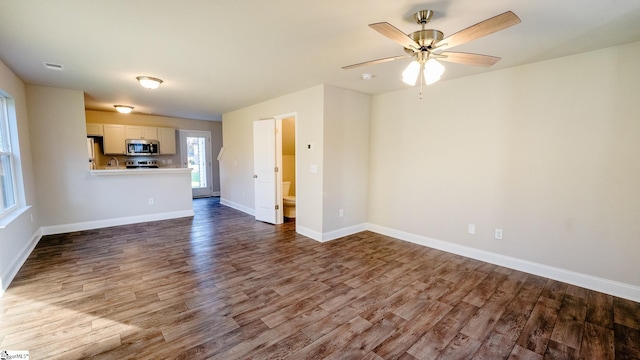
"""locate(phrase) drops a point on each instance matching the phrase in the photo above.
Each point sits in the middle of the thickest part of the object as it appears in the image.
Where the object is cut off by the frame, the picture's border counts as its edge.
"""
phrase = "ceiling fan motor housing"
(426, 39)
(423, 16)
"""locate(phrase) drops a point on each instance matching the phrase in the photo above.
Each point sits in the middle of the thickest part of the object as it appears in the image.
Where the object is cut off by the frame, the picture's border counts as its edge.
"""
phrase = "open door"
(267, 179)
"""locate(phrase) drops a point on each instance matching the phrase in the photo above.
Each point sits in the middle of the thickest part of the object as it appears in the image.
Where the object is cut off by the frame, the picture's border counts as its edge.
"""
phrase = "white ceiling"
(216, 56)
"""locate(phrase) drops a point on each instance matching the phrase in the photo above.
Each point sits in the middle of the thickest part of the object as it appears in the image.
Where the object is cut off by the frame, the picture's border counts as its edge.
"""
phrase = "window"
(7, 173)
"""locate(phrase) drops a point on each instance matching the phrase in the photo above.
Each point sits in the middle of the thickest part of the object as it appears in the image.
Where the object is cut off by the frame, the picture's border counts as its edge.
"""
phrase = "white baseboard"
(237, 206)
(350, 230)
(312, 234)
(213, 194)
(610, 287)
(10, 273)
(97, 224)
(331, 235)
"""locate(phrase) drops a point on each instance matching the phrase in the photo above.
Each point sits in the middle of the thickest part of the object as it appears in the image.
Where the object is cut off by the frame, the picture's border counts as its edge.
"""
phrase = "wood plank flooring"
(223, 286)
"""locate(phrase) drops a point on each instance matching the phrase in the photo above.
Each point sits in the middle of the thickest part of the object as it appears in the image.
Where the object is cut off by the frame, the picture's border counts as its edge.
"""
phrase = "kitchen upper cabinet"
(113, 139)
(141, 132)
(95, 129)
(167, 139)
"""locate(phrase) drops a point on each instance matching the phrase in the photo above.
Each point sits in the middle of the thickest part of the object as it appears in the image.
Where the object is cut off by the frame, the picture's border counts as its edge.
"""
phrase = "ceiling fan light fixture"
(426, 43)
(411, 73)
(149, 82)
(123, 109)
(433, 70)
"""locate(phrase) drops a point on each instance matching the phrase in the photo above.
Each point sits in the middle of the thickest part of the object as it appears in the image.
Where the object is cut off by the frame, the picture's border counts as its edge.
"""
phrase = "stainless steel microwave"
(142, 147)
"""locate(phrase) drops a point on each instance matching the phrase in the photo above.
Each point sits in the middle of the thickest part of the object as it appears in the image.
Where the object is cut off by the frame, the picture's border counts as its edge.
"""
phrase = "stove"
(142, 164)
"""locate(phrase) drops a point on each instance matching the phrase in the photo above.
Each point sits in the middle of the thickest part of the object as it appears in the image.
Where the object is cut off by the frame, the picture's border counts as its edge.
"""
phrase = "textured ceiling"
(216, 56)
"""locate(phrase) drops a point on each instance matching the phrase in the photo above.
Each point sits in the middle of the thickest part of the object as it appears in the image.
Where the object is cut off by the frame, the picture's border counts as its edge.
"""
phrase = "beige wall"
(346, 159)
(69, 197)
(19, 236)
(289, 153)
(59, 152)
(289, 172)
(335, 122)
(236, 166)
(549, 152)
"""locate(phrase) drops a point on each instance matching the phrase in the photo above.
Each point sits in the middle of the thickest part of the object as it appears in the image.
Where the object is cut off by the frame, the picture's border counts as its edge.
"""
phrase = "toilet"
(288, 201)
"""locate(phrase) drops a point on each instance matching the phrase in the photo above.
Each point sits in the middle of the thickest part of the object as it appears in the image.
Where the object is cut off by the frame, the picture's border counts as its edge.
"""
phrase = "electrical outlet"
(498, 234)
(471, 229)
(150, 201)
(341, 212)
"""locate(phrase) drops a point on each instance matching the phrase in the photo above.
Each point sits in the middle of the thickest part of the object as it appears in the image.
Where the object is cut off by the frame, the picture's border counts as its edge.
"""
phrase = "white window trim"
(5, 127)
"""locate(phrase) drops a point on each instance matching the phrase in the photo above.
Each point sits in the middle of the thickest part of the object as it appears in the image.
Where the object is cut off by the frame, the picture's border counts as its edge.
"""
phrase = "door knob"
(255, 176)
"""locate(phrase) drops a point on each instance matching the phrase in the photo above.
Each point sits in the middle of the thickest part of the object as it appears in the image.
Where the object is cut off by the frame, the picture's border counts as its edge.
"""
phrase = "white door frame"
(279, 119)
(200, 192)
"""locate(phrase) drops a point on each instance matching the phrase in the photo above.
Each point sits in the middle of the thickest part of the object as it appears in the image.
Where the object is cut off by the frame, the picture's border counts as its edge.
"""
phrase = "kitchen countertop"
(139, 171)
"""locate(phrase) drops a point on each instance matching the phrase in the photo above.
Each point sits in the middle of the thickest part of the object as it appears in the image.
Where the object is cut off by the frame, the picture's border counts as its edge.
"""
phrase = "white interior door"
(268, 205)
(195, 151)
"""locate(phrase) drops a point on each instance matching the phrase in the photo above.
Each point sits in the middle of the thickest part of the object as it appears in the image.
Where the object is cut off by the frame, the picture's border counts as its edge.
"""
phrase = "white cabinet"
(95, 129)
(113, 139)
(141, 132)
(167, 139)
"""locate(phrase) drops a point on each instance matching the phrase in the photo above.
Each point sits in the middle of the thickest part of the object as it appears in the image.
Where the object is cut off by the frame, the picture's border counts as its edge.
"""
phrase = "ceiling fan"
(427, 45)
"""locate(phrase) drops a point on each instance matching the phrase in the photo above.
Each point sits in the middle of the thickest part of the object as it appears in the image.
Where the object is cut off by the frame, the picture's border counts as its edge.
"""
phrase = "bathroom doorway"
(288, 162)
(273, 165)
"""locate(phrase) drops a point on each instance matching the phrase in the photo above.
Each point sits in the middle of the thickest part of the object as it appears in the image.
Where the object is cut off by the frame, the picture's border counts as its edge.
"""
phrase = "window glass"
(7, 173)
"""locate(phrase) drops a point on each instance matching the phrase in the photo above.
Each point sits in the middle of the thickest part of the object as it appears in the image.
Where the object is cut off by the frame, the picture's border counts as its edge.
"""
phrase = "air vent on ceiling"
(53, 66)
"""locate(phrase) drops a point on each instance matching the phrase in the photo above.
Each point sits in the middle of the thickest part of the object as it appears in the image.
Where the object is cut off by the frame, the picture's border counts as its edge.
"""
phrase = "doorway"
(289, 168)
(195, 153)
(272, 166)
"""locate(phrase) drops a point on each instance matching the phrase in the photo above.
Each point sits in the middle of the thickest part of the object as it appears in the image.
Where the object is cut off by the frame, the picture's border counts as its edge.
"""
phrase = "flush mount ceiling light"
(367, 76)
(123, 109)
(149, 82)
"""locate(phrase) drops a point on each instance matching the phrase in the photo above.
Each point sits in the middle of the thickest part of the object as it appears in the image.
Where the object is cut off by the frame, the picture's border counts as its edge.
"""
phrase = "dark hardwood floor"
(223, 286)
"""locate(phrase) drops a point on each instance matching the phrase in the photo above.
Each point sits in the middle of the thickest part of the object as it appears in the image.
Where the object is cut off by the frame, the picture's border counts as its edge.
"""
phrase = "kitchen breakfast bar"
(141, 171)
(119, 195)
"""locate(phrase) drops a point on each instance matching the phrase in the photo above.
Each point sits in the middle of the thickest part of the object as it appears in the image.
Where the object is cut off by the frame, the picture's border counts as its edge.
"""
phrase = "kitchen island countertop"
(139, 171)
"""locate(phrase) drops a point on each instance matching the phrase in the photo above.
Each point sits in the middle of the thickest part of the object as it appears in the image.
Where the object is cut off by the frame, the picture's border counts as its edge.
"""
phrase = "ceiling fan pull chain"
(420, 76)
